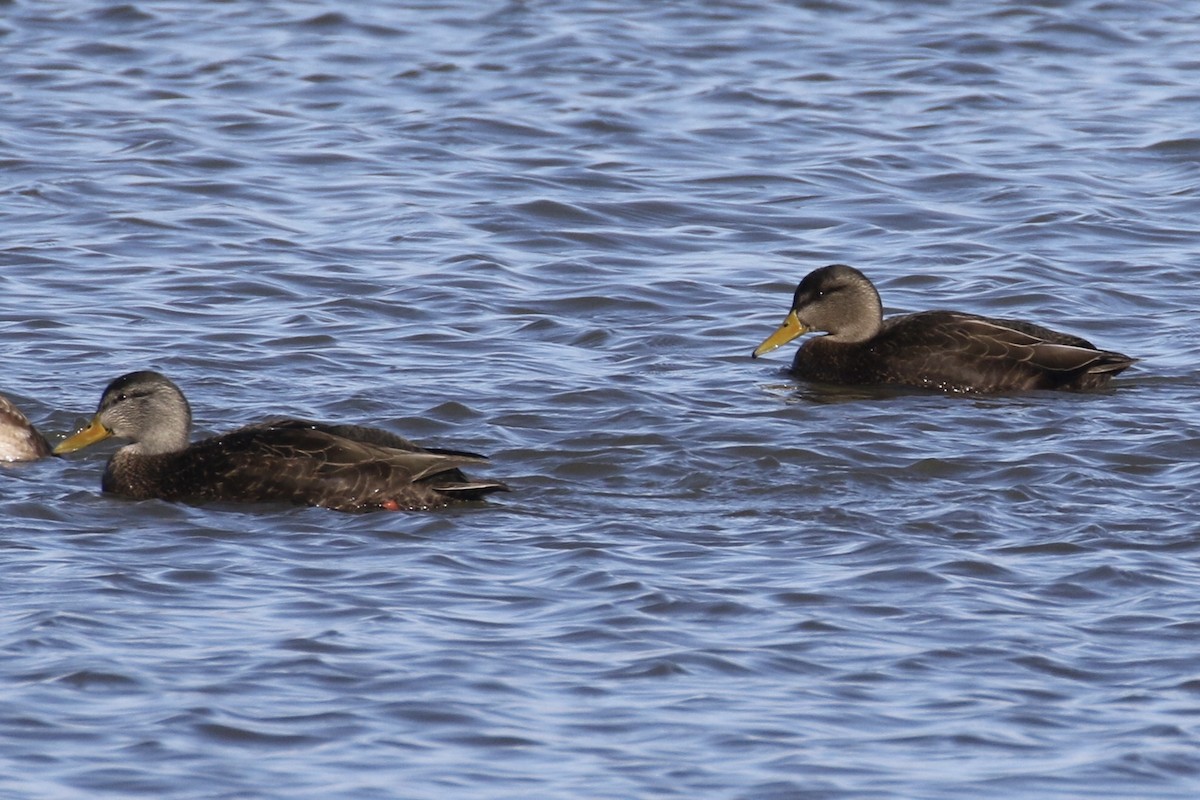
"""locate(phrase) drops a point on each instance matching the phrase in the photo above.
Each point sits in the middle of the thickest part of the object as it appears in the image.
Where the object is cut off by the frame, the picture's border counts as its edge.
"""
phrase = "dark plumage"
(944, 350)
(343, 467)
(19, 440)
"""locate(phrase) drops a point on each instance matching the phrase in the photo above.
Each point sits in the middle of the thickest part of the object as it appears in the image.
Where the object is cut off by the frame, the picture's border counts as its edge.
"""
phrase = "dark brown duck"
(945, 350)
(342, 467)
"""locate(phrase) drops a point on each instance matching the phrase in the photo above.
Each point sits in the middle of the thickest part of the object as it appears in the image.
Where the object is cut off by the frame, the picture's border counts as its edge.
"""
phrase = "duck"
(949, 351)
(19, 440)
(349, 468)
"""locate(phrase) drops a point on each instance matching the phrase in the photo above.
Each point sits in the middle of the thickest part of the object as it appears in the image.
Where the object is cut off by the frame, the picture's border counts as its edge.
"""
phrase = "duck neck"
(166, 439)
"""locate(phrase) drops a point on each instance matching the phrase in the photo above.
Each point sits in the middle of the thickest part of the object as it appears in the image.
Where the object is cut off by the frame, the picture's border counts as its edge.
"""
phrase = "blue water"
(553, 233)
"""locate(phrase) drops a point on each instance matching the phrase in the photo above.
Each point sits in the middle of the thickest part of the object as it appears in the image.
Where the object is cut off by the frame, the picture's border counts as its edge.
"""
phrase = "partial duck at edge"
(19, 440)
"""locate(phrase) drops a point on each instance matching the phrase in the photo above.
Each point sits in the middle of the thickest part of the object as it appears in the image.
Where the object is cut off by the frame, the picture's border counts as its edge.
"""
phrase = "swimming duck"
(342, 467)
(19, 440)
(945, 350)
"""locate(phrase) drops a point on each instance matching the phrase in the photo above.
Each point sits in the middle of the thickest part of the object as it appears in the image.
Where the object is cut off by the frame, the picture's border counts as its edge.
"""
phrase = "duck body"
(19, 440)
(302, 463)
(295, 461)
(948, 351)
(956, 352)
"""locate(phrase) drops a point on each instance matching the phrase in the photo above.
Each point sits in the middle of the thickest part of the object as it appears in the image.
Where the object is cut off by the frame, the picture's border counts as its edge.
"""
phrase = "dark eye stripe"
(123, 396)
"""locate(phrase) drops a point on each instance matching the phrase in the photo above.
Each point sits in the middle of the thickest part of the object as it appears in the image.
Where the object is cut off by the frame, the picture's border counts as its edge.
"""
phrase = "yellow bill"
(94, 432)
(790, 329)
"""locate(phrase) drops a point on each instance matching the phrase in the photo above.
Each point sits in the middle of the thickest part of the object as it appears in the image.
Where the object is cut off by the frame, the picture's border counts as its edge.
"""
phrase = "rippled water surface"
(553, 232)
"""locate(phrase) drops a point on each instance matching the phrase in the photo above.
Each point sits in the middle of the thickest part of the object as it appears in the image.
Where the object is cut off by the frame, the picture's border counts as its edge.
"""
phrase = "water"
(553, 232)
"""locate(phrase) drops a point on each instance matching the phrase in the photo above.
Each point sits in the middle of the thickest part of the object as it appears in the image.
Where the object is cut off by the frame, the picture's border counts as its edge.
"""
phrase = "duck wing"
(1066, 356)
(973, 353)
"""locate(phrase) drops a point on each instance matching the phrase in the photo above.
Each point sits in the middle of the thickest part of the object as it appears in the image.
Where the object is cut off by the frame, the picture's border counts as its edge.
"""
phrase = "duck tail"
(472, 489)
(1110, 362)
